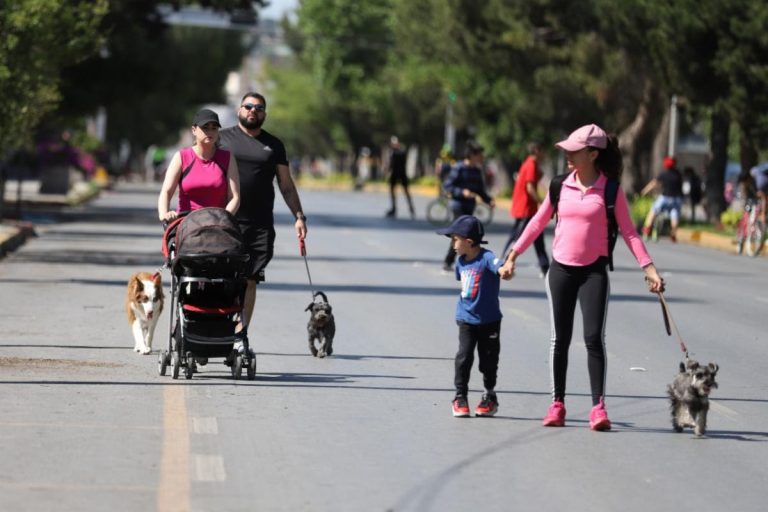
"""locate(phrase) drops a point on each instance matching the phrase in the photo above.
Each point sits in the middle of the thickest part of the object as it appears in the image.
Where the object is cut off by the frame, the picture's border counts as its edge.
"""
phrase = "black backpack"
(611, 190)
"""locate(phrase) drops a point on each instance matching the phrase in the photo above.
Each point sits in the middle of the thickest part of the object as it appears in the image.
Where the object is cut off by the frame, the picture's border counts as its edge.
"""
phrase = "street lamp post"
(450, 130)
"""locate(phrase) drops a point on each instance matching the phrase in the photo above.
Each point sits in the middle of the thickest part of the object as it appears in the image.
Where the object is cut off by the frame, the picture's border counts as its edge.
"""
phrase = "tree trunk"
(637, 140)
(716, 168)
(747, 151)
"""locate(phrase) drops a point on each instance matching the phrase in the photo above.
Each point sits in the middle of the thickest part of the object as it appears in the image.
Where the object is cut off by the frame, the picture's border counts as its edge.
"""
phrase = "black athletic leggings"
(589, 286)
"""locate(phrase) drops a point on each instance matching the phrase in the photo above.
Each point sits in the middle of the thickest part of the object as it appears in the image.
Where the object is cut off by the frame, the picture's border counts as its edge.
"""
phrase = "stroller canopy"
(209, 231)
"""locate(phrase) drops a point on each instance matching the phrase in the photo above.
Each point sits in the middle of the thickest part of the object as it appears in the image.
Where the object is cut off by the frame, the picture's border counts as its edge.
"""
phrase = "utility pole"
(450, 130)
(672, 143)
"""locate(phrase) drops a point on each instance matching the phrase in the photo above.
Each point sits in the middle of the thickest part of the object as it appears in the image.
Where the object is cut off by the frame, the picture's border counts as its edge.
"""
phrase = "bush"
(429, 180)
(639, 208)
(729, 218)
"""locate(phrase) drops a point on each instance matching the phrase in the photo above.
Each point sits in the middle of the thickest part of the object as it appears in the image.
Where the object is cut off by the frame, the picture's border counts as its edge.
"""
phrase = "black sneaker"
(488, 405)
(460, 407)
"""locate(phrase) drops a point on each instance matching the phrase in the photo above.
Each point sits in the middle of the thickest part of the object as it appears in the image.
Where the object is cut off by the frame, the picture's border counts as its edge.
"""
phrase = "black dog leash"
(303, 251)
(668, 320)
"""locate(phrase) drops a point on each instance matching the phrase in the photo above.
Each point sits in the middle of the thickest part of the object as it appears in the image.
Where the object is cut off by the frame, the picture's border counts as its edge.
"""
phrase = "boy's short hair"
(467, 226)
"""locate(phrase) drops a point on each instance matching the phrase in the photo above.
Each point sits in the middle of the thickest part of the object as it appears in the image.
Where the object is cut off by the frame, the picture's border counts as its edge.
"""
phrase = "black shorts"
(260, 245)
(398, 177)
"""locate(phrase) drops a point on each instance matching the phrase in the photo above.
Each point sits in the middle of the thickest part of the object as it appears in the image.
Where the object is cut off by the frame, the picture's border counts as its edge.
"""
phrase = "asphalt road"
(87, 424)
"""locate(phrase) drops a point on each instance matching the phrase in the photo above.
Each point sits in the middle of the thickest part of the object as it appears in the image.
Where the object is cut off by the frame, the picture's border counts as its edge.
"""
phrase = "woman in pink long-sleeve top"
(579, 260)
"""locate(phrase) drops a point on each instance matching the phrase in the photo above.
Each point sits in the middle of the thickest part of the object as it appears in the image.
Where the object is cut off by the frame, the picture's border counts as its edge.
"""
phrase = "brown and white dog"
(144, 303)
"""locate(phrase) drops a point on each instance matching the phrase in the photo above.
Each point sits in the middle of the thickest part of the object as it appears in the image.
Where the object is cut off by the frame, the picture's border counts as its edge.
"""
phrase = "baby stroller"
(204, 251)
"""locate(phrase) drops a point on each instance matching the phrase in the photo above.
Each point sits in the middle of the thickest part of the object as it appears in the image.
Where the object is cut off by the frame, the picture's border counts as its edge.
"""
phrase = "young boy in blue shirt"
(477, 314)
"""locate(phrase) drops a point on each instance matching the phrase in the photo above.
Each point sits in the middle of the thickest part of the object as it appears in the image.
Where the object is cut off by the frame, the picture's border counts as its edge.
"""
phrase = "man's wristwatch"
(301, 216)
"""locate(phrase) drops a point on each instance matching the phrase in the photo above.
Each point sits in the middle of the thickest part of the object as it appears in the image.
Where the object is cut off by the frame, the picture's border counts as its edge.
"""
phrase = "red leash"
(303, 252)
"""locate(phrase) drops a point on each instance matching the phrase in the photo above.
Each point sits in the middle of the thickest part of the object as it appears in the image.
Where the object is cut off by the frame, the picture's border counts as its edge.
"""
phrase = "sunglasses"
(258, 107)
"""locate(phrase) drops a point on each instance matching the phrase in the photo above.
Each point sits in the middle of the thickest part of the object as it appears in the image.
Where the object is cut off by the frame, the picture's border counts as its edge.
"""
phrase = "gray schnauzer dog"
(321, 326)
(689, 396)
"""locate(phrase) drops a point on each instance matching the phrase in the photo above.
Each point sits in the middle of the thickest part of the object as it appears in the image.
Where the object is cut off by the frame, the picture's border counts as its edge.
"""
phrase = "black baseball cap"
(467, 226)
(205, 116)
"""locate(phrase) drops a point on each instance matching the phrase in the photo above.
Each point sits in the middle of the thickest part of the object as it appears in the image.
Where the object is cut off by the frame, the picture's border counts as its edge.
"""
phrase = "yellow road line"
(174, 486)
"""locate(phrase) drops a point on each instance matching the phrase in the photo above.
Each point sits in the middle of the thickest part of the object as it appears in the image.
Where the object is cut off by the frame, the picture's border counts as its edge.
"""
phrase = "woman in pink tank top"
(205, 175)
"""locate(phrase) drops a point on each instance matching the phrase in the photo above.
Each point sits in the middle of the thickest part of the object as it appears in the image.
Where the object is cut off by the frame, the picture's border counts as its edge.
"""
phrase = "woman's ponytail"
(609, 160)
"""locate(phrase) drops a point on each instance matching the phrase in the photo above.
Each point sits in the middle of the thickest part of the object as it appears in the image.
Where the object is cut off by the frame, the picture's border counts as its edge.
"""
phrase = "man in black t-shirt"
(397, 174)
(261, 158)
(671, 199)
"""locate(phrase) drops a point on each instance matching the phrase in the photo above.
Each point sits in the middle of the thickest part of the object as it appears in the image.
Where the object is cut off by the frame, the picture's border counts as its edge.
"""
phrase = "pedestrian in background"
(464, 184)
(579, 258)
(477, 314)
(205, 175)
(261, 159)
(695, 191)
(397, 174)
(525, 203)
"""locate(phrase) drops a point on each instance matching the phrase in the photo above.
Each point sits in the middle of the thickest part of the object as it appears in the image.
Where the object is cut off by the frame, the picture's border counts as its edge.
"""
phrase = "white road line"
(57, 425)
(209, 468)
(725, 411)
(205, 425)
(47, 486)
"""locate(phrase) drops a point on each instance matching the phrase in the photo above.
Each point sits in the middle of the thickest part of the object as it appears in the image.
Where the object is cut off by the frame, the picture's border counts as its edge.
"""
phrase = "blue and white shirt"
(480, 282)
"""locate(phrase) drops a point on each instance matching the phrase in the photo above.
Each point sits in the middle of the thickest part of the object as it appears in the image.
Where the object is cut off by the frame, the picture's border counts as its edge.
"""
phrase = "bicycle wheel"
(754, 238)
(484, 213)
(438, 213)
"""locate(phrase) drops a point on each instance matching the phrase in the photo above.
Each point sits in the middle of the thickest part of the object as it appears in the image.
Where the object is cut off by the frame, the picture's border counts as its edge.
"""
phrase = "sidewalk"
(13, 233)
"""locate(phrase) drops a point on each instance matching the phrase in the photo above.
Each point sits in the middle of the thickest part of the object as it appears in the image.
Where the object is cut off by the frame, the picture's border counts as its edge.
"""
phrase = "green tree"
(150, 77)
(39, 38)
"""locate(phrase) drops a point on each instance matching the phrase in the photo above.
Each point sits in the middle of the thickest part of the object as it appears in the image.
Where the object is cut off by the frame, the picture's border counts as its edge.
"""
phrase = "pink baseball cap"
(589, 135)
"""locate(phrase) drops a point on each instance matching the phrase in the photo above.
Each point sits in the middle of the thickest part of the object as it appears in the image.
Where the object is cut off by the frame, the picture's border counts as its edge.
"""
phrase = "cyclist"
(760, 175)
(444, 162)
(465, 182)
(670, 200)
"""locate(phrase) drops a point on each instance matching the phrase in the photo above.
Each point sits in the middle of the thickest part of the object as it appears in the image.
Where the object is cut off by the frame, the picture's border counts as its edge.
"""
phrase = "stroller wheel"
(237, 367)
(162, 362)
(175, 364)
(251, 370)
(188, 371)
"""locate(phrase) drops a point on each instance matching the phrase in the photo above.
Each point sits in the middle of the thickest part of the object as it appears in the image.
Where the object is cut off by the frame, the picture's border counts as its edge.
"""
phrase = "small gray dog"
(689, 396)
(321, 326)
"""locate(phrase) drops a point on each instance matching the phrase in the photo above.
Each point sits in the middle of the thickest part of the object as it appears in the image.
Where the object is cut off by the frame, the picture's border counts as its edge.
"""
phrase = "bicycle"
(439, 212)
(662, 225)
(750, 231)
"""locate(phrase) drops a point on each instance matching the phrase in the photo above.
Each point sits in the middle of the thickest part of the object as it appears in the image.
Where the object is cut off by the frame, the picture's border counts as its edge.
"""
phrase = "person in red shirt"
(525, 203)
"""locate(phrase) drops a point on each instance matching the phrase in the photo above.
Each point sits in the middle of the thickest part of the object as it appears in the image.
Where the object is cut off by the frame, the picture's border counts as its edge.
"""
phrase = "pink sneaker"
(555, 415)
(598, 418)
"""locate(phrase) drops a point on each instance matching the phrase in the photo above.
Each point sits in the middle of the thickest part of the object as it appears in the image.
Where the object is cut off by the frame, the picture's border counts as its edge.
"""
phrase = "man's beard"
(251, 125)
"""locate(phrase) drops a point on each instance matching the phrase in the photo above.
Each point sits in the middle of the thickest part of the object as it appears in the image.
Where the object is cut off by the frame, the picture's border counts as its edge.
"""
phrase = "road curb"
(710, 240)
(14, 234)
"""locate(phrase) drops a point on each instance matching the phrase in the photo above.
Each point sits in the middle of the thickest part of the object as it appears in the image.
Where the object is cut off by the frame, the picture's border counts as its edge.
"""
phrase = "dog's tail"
(321, 294)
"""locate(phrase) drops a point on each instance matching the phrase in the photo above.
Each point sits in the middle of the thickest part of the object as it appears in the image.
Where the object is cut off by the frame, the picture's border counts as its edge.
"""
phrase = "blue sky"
(278, 7)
